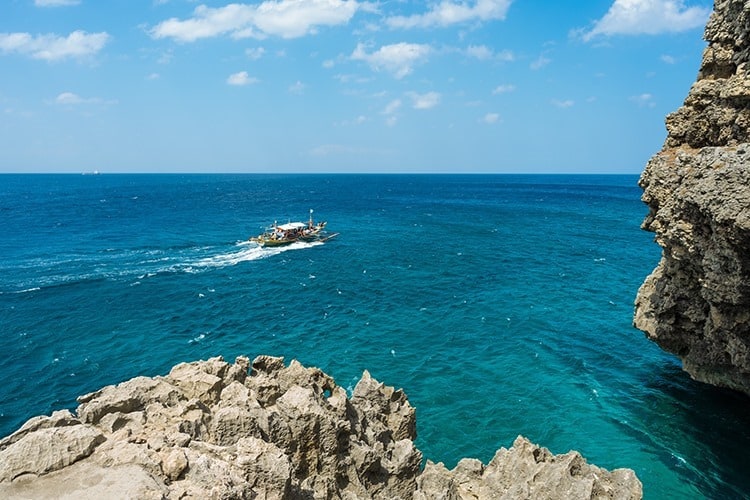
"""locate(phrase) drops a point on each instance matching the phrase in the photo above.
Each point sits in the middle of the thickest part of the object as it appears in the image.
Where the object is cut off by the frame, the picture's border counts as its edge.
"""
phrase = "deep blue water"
(501, 304)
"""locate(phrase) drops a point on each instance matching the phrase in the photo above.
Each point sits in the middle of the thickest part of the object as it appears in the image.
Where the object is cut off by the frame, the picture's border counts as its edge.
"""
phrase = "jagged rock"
(208, 430)
(47, 450)
(527, 471)
(386, 405)
(87, 481)
(174, 463)
(696, 303)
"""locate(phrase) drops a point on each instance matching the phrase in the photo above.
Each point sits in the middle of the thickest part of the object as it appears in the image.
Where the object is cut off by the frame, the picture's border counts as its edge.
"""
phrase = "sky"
(475, 86)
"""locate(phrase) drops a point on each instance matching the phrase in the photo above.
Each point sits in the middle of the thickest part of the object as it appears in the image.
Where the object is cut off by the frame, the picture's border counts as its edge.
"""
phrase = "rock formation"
(210, 429)
(696, 303)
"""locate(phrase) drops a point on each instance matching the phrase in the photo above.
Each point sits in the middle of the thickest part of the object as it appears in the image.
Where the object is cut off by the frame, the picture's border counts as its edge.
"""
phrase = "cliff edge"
(696, 303)
(211, 429)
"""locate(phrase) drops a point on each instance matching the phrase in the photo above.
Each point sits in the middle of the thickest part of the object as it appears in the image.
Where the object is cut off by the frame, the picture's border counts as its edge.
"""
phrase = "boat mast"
(310, 224)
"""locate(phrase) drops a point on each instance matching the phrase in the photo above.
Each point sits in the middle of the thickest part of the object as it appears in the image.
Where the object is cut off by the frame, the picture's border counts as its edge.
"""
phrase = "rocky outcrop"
(210, 429)
(696, 303)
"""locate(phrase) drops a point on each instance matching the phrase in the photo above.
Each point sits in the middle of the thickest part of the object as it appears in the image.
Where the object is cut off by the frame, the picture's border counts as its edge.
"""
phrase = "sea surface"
(501, 304)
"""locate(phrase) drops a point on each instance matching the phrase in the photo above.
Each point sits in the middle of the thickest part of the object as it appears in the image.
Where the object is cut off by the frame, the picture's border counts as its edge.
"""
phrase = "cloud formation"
(540, 62)
(390, 111)
(424, 101)
(398, 58)
(71, 99)
(647, 17)
(283, 18)
(503, 89)
(566, 103)
(55, 3)
(491, 118)
(241, 78)
(255, 53)
(52, 47)
(447, 13)
(484, 53)
(297, 88)
(643, 100)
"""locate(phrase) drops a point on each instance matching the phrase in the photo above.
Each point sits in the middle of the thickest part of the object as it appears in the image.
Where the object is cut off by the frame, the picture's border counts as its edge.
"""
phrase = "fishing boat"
(286, 234)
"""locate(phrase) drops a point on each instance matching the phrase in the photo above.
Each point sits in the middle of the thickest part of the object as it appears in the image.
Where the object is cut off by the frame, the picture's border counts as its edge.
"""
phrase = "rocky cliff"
(696, 303)
(211, 429)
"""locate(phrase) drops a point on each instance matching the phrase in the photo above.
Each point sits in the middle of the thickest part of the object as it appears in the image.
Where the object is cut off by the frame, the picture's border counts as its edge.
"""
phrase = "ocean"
(501, 304)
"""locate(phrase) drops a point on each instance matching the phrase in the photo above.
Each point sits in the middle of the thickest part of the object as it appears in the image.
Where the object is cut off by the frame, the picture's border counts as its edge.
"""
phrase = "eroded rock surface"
(696, 303)
(210, 430)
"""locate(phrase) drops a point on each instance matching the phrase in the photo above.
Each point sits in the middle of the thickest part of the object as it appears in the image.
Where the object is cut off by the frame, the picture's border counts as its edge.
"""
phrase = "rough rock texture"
(210, 430)
(696, 303)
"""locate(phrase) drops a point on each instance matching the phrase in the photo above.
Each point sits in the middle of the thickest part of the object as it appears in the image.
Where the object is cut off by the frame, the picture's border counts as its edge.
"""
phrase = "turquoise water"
(501, 304)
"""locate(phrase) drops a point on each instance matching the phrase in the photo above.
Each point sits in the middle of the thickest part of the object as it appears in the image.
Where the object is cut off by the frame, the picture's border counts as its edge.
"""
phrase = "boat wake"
(138, 264)
(248, 251)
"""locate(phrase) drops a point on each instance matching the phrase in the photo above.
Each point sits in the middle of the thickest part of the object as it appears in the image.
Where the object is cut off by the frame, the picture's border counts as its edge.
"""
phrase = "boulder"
(696, 303)
(210, 430)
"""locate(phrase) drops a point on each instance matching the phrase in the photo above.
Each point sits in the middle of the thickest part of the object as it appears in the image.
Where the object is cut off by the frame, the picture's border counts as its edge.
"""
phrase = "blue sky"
(342, 85)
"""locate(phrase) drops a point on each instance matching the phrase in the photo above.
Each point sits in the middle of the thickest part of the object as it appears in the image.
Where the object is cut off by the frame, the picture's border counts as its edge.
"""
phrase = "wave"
(249, 251)
(140, 264)
(25, 290)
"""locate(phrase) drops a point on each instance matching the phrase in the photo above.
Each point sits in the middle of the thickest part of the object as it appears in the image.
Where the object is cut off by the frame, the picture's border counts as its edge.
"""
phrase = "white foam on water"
(248, 252)
(197, 339)
(137, 265)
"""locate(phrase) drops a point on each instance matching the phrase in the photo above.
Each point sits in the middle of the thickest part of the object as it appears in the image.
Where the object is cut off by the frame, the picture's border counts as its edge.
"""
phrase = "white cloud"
(484, 53)
(567, 103)
(68, 98)
(643, 100)
(503, 89)
(51, 47)
(481, 52)
(540, 62)
(241, 78)
(398, 58)
(295, 18)
(392, 107)
(667, 59)
(359, 120)
(153, 76)
(424, 101)
(447, 13)
(505, 55)
(255, 53)
(297, 87)
(284, 18)
(71, 99)
(491, 118)
(647, 17)
(390, 112)
(206, 23)
(165, 57)
(55, 3)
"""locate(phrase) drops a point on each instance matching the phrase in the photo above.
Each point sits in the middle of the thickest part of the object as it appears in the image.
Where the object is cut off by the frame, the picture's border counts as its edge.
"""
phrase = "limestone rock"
(208, 430)
(696, 303)
(47, 450)
(527, 471)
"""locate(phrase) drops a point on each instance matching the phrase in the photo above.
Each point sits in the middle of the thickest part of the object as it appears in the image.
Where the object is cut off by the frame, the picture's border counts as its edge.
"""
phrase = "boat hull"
(286, 234)
(268, 242)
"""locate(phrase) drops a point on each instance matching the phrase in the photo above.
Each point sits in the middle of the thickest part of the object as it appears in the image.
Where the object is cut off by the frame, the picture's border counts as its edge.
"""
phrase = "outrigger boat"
(286, 234)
